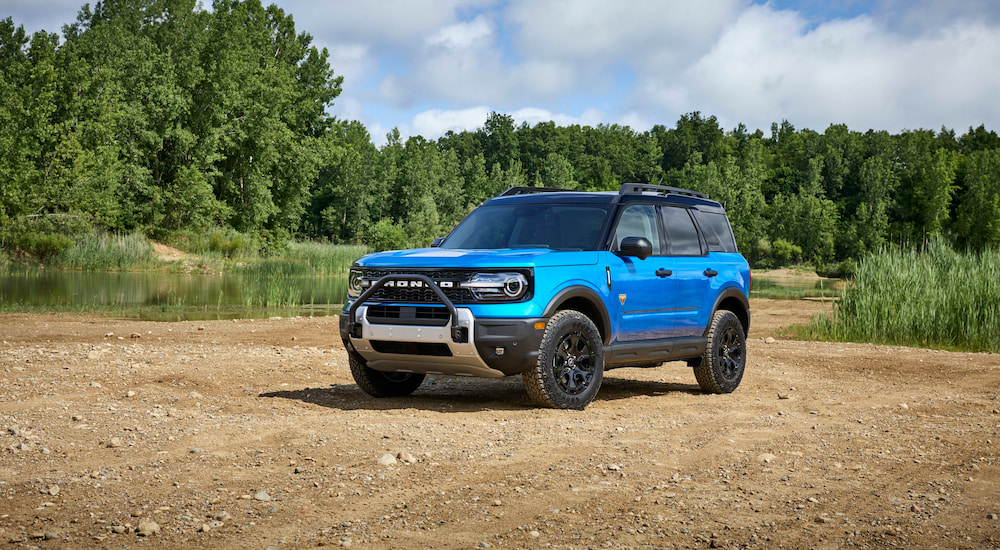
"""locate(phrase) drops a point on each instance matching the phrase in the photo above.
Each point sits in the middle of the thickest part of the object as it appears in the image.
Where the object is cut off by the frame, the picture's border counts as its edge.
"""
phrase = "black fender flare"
(734, 292)
(603, 321)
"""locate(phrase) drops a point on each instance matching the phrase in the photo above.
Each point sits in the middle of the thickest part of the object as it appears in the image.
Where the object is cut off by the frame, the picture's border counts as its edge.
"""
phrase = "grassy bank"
(936, 299)
(108, 252)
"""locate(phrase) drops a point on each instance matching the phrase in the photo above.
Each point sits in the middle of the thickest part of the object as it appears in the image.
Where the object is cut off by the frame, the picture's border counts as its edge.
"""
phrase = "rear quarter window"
(717, 231)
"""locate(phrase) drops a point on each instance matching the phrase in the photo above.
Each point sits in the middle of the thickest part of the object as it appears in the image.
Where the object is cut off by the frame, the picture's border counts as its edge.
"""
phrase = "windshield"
(553, 226)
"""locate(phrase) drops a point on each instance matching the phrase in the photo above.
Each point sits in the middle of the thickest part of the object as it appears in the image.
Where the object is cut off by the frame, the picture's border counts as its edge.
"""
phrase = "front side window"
(681, 232)
(638, 221)
(568, 227)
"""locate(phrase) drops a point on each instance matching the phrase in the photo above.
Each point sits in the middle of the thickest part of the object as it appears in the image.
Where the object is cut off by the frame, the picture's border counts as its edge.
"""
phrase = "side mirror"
(437, 242)
(639, 247)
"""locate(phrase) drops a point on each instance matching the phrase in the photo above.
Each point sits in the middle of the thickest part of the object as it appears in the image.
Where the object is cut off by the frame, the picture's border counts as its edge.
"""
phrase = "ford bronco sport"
(556, 286)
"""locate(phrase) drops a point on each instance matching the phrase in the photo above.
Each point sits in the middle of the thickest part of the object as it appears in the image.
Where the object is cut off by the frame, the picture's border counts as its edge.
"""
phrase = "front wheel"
(721, 368)
(377, 383)
(570, 363)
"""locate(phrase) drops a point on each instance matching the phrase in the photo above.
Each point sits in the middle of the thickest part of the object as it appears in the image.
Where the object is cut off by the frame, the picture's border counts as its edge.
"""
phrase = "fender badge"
(621, 298)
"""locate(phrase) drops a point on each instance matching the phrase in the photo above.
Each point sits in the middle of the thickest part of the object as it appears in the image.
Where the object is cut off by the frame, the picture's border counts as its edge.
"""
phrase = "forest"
(164, 118)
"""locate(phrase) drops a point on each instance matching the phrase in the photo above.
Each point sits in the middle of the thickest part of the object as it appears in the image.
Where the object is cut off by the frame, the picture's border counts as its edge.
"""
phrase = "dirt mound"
(169, 253)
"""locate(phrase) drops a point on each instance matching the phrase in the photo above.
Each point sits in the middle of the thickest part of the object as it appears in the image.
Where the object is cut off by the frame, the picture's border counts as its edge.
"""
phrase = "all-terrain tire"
(721, 368)
(377, 383)
(570, 364)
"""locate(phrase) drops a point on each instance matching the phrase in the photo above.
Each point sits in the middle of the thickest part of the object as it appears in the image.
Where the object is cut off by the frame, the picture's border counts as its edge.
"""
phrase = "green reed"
(270, 283)
(939, 298)
(325, 258)
(108, 252)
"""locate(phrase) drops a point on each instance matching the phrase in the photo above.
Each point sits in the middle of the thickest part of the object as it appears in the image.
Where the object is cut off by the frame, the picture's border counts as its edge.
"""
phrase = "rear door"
(691, 273)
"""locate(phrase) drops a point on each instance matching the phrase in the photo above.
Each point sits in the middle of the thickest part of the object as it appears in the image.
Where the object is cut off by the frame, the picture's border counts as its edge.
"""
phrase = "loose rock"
(406, 457)
(262, 496)
(114, 443)
(387, 460)
(147, 528)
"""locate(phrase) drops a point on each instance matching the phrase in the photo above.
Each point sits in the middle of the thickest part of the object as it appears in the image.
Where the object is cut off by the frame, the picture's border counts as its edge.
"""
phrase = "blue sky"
(429, 66)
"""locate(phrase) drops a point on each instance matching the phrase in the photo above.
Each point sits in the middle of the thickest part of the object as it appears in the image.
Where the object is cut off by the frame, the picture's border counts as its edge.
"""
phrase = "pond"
(256, 294)
(170, 296)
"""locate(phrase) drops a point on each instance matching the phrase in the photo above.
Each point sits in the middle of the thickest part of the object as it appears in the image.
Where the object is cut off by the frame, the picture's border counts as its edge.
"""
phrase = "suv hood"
(463, 259)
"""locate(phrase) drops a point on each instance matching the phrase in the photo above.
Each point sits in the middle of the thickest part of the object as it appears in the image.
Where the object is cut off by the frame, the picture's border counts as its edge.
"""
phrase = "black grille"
(408, 315)
(421, 295)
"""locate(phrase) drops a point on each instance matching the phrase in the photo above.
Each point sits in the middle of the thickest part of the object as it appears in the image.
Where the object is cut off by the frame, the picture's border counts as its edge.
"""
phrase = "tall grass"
(323, 258)
(108, 252)
(938, 299)
(270, 283)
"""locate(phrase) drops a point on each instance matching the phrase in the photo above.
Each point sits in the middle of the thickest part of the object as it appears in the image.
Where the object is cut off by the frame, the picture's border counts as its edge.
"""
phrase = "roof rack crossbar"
(640, 188)
(529, 190)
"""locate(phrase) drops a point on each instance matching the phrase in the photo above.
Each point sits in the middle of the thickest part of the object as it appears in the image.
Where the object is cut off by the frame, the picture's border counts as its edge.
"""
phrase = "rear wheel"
(721, 368)
(570, 364)
(383, 384)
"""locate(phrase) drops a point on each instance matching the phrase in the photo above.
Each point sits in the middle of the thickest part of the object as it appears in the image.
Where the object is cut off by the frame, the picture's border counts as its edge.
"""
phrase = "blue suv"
(556, 286)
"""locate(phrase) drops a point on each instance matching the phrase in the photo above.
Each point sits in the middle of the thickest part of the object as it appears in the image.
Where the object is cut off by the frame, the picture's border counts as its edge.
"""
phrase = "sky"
(430, 66)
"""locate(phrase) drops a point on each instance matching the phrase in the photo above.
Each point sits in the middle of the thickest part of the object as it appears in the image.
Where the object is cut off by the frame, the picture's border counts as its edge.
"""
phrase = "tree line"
(160, 116)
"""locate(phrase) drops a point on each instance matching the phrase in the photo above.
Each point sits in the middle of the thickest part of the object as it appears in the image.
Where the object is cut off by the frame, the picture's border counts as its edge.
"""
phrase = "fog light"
(498, 351)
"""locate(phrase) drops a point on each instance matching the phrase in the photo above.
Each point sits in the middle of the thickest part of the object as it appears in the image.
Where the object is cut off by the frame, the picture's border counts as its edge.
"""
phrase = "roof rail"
(643, 188)
(530, 190)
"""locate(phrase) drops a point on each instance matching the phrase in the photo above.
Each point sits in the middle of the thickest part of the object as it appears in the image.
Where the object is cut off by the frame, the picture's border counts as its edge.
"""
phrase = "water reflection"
(162, 296)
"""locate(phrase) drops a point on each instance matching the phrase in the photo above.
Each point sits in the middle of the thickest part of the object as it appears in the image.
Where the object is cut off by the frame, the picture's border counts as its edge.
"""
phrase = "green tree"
(978, 215)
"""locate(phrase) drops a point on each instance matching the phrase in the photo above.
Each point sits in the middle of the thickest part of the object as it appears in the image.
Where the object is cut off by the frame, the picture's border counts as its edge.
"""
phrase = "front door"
(643, 291)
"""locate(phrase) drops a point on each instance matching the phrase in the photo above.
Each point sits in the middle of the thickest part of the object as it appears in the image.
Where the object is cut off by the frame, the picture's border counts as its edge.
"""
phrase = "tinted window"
(638, 221)
(554, 226)
(718, 233)
(681, 233)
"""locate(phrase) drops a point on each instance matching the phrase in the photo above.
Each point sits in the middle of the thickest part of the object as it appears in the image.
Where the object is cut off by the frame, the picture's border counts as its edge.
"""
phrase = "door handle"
(711, 272)
(664, 273)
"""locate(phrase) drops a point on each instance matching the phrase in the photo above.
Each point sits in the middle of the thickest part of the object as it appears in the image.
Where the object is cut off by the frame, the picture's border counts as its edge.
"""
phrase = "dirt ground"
(251, 434)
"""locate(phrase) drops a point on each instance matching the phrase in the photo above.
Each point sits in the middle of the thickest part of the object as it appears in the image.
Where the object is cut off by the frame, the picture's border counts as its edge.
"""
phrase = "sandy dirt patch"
(169, 253)
(251, 434)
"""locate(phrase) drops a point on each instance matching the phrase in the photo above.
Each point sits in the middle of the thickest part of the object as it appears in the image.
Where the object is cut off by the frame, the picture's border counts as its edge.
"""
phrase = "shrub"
(386, 235)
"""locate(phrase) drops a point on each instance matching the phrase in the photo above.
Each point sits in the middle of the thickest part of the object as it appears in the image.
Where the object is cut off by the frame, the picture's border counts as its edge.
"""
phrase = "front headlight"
(354, 284)
(497, 286)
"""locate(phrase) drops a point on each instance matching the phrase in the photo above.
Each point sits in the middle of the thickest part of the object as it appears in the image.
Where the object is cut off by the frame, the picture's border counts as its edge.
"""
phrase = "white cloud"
(633, 32)
(382, 23)
(460, 36)
(352, 61)
(436, 122)
(771, 65)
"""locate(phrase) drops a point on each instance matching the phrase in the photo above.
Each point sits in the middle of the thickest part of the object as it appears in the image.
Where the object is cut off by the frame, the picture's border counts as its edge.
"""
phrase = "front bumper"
(494, 348)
